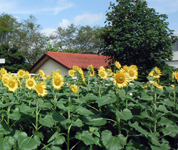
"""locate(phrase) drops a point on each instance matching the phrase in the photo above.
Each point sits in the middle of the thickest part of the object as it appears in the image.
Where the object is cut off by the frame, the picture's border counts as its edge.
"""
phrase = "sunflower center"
(30, 83)
(131, 73)
(11, 84)
(102, 74)
(120, 78)
(176, 75)
(40, 90)
(57, 82)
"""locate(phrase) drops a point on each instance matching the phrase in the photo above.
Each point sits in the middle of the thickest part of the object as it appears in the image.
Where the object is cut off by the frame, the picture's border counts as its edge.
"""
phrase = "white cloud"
(64, 23)
(88, 18)
(48, 31)
(164, 6)
(15, 7)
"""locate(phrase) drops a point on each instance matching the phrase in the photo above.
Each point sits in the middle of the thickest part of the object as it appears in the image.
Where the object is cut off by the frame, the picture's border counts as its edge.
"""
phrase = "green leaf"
(77, 123)
(26, 109)
(121, 93)
(170, 130)
(124, 115)
(106, 100)
(86, 137)
(146, 97)
(56, 139)
(95, 120)
(113, 142)
(47, 121)
(15, 115)
(83, 111)
(6, 142)
(29, 143)
(89, 97)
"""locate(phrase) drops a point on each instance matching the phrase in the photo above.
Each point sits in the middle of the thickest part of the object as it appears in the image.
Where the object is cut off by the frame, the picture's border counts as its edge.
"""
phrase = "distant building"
(51, 61)
(174, 62)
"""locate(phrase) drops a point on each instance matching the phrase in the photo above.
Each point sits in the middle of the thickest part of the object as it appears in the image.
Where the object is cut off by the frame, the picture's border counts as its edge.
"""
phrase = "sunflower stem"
(36, 126)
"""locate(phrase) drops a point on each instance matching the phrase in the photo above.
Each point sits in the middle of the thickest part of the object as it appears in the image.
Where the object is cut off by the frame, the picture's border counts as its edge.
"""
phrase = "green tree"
(136, 34)
(81, 39)
(14, 60)
(34, 42)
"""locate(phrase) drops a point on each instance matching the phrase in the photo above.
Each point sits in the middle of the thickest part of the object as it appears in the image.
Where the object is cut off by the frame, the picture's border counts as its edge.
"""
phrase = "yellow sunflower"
(134, 67)
(58, 81)
(155, 73)
(5, 78)
(109, 72)
(103, 74)
(125, 68)
(30, 83)
(75, 68)
(133, 73)
(27, 75)
(156, 84)
(41, 89)
(48, 77)
(175, 75)
(12, 84)
(91, 70)
(58, 71)
(71, 72)
(21, 73)
(121, 79)
(117, 64)
(74, 88)
(3, 71)
(102, 68)
(42, 73)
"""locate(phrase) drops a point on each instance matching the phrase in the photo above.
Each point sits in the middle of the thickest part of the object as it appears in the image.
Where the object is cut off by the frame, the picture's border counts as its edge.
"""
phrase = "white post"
(2, 61)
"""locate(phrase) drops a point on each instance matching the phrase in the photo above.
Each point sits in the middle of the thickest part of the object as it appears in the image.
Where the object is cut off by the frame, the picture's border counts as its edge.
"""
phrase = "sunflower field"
(103, 110)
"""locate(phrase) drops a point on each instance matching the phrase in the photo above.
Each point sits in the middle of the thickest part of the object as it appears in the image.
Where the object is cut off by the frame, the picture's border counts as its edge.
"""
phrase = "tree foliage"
(136, 34)
(14, 60)
(80, 38)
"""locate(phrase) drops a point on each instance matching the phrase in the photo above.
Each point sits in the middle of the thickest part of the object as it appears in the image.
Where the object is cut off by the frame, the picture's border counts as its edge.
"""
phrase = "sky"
(51, 14)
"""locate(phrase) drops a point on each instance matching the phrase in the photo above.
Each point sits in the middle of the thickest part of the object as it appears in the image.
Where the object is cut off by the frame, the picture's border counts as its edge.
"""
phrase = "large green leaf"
(86, 137)
(6, 142)
(95, 120)
(29, 143)
(113, 142)
(47, 121)
(56, 139)
(89, 97)
(105, 100)
(26, 109)
(77, 123)
(83, 111)
(170, 130)
(126, 114)
(146, 97)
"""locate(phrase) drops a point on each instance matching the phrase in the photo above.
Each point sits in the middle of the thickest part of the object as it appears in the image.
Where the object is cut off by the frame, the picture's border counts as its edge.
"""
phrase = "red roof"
(81, 60)
(71, 59)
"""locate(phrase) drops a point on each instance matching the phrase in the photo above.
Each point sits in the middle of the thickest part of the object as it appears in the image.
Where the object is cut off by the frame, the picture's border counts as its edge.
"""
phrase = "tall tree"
(136, 34)
(81, 39)
(10, 29)
(14, 60)
(34, 42)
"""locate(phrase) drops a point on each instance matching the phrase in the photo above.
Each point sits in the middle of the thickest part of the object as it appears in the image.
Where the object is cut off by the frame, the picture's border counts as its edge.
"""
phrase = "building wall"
(51, 65)
(174, 61)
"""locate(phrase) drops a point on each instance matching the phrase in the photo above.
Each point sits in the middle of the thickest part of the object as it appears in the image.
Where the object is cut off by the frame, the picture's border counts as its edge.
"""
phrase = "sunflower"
(48, 77)
(103, 74)
(58, 71)
(30, 83)
(134, 67)
(71, 72)
(27, 75)
(121, 79)
(12, 84)
(175, 75)
(133, 73)
(75, 68)
(155, 73)
(125, 68)
(3, 71)
(91, 70)
(74, 88)
(102, 68)
(5, 78)
(156, 84)
(41, 89)
(117, 64)
(42, 73)
(58, 81)
(83, 77)
(21, 73)
(109, 72)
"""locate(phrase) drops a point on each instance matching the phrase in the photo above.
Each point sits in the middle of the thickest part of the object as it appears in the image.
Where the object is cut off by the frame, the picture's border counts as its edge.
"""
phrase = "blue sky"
(51, 14)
